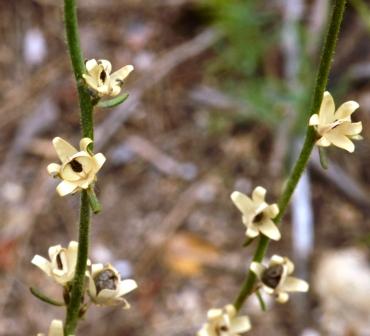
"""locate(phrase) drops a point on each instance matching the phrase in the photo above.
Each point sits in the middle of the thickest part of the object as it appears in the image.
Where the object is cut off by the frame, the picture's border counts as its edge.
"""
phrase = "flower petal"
(92, 287)
(340, 140)
(242, 202)
(53, 169)
(84, 143)
(96, 268)
(54, 250)
(108, 297)
(106, 65)
(91, 81)
(314, 120)
(282, 297)
(348, 128)
(67, 173)
(205, 332)
(257, 269)
(277, 260)
(214, 314)
(42, 263)
(258, 194)
(72, 252)
(126, 286)
(56, 328)
(323, 142)
(252, 231)
(269, 229)
(125, 304)
(64, 149)
(327, 109)
(91, 64)
(240, 324)
(119, 75)
(272, 211)
(230, 311)
(99, 160)
(65, 188)
(292, 284)
(289, 265)
(115, 90)
(346, 109)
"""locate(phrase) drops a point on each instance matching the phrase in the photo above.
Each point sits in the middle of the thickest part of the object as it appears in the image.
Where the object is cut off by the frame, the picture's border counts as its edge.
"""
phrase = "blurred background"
(219, 101)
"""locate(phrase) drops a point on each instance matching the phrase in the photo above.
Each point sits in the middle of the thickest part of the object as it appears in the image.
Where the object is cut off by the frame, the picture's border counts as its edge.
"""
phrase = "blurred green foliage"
(251, 31)
(249, 61)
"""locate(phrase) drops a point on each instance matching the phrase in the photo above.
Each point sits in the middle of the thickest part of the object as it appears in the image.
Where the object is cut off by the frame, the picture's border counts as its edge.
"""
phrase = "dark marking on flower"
(221, 329)
(103, 75)
(272, 276)
(76, 166)
(258, 217)
(59, 262)
(106, 279)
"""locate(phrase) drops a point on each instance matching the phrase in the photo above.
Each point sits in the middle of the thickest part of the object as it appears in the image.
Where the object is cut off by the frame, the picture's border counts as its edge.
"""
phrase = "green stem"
(321, 82)
(86, 105)
(79, 279)
(86, 108)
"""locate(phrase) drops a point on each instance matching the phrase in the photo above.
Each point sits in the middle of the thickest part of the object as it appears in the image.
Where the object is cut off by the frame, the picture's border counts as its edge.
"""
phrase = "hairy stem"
(320, 85)
(73, 308)
(86, 108)
(73, 41)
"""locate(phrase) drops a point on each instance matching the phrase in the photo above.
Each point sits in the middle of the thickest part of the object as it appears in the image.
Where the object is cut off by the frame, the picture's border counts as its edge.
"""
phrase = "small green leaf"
(41, 296)
(323, 157)
(93, 200)
(113, 102)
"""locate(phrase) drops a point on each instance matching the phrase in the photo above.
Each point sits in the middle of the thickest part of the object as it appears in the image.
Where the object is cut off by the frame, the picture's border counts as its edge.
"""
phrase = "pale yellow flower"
(224, 322)
(336, 127)
(56, 329)
(257, 215)
(100, 79)
(78, 169)
(62, 264)
(106, 287)
(275, 279)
